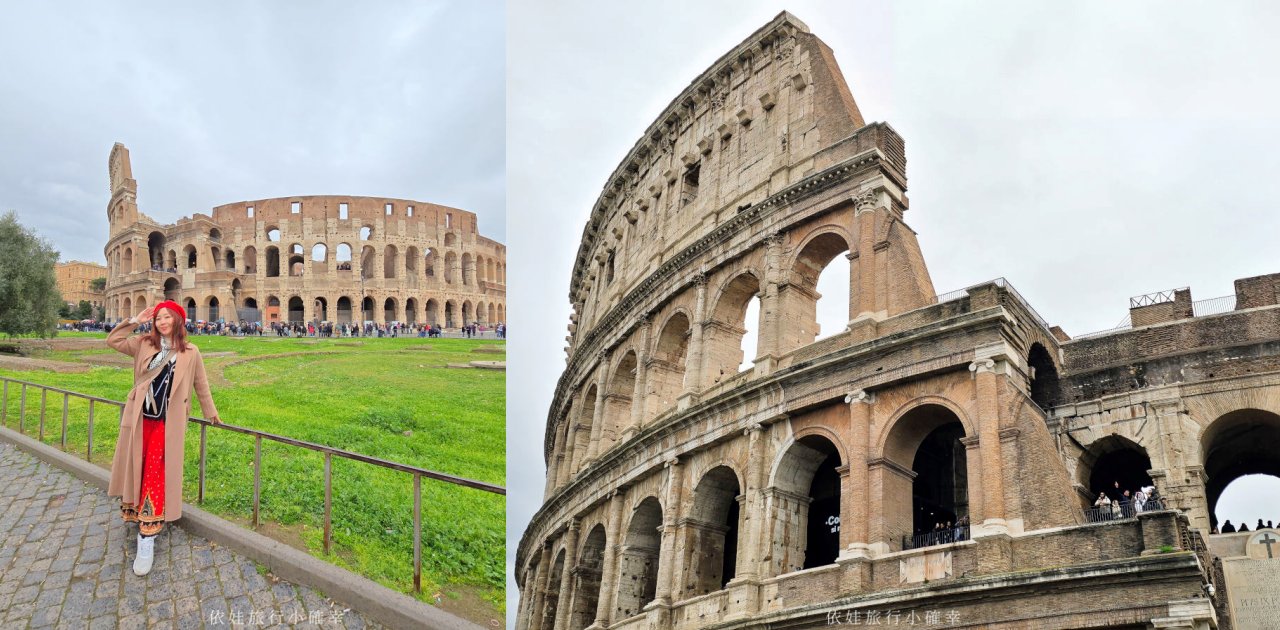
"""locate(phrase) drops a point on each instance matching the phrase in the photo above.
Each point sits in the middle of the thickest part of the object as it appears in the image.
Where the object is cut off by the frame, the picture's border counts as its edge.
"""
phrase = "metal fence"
(1121, 510)
(938, 537)
(258, 437)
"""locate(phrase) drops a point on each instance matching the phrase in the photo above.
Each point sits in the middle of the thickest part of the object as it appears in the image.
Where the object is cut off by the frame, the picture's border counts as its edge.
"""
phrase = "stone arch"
(799, 297)
(433, 312)
(215, 255)
(211, 306)
(344, 310)
(171, 260)
(273, 234)
(190, 257)
(172, 289)
(296, 314)
(468, 315)
(925, 472)
(128, 260)
(638, 559)
(411, 262)
(297, 260)
(343, 253)
(230, 260)
(366, 232)
(711, 532)
(1045, 391)
(502, 313)
(429, 262)
(551, 599)
(450, 240)
(468, 270)
(722, 337)
(389, 263)
(618, 401)
(805, 488)
(273, 261)
(666, 375)
(389, 310)
(1235, 444)
(482, 312)
(480, 274)
(450, 314)
(320, 253)
(1110, 460)
(410, 311)
(155, 249)
(141, 303)
(191, 310)
(586, 589)
(321, 305)
(366, 309)
(250, 260)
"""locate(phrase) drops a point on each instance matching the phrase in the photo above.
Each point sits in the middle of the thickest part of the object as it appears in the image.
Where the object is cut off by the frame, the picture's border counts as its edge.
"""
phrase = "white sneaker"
(146, 555)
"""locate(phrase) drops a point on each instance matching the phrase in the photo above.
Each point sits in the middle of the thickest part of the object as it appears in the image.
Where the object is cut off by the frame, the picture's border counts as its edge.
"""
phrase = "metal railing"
(939, 537)
(258, 437)
(1120, 510)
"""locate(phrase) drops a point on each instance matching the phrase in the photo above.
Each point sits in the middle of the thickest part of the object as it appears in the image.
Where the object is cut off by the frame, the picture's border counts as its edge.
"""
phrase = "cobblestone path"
(66, 561)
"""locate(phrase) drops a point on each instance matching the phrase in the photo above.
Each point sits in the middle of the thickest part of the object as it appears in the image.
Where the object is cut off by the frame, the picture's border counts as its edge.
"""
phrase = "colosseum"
(304, 259)
(934, 463)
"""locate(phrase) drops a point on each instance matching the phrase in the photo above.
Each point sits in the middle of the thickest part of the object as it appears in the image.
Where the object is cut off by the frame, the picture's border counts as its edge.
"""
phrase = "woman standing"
(146, 472)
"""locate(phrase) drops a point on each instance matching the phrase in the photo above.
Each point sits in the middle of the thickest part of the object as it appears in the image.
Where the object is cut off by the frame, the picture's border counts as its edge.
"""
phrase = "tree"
(98, 284)
(29, 296)
(85, 310)
(64, 311)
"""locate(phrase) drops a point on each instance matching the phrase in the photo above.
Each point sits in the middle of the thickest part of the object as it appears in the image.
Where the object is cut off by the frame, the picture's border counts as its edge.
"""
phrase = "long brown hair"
(179, 331)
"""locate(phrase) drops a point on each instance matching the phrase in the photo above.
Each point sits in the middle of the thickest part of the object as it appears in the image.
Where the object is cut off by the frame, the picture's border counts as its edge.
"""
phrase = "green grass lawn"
(382, 398)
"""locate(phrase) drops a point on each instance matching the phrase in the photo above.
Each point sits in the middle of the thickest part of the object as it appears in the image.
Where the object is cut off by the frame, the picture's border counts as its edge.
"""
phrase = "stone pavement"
(66, 561)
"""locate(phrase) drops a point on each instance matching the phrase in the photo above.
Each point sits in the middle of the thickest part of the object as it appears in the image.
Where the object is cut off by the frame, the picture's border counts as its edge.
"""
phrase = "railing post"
(88, 455)
(328, 501)
(257, 475)
(65, 400)
(4, 407)
(44, 399)
(200, 486)
(22, 411)
(417, 533)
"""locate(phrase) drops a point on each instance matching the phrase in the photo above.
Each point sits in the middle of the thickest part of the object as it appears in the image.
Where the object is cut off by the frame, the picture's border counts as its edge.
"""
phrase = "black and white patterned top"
(156, 403)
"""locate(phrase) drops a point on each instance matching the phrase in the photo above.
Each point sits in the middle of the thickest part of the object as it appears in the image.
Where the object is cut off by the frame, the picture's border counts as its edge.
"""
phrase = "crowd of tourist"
(1120, 502)
(1228, 528)
(244, 328)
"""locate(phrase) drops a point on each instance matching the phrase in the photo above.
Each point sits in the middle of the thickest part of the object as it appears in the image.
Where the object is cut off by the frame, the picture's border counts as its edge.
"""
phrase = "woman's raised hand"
(146, 315)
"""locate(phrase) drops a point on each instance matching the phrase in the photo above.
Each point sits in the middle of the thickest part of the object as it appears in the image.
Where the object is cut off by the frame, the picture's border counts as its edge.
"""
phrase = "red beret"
(173, 306)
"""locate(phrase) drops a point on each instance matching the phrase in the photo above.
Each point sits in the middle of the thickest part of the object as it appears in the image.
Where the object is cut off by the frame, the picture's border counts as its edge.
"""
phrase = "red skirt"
(148, 513)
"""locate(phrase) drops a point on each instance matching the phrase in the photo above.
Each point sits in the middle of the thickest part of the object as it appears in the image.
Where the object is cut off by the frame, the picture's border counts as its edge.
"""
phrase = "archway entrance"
(807, 470)
(1239, 444)
(927, 441)
(712, 532)
(638, 560)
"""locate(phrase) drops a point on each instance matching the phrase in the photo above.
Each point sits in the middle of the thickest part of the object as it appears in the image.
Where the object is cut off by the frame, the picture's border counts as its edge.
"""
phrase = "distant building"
(75, 282)
(332, 258)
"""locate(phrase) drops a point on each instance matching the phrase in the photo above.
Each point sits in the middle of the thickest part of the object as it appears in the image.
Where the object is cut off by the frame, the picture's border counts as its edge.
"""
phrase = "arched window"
(666, 373)
(807, 469)
(810, 312)
(638, 560)
(711, 554)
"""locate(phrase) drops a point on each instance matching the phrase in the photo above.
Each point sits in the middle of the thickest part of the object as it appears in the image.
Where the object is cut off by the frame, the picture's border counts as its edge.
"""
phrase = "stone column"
(770, 306)
(540, 588)
(855, 521)
(753, 506)
(609, 569)
(863, 293)
(565, 605)
(670, 516)
(570, 443)
(597, 419)
(640, 393)
(986, 390)
(693, 363)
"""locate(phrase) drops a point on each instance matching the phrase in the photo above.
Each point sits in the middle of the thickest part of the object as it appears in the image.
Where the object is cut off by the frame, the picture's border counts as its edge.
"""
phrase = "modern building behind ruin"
(304, 259)
(804, 491)
(75, 282)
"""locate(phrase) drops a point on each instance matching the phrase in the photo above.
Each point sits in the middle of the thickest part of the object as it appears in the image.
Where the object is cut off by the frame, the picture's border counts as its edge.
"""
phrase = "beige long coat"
(188, 373)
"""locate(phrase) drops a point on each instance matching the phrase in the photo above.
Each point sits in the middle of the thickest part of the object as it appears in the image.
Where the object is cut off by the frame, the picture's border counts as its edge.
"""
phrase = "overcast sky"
(1088, 152)
(230, 101)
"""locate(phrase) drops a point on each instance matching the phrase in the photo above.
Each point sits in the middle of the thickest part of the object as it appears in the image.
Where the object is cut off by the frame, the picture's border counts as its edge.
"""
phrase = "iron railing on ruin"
(944, 536)
(1199, 308)
(1119, 511)
(258, 436)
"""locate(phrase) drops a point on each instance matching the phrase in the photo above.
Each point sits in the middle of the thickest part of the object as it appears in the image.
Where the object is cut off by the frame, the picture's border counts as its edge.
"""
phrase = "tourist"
(1244, 527)
(1228, 528)
(146, 471)
(1260, 525)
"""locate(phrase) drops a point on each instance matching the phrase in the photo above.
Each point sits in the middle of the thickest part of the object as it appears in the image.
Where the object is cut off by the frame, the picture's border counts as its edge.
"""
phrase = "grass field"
(387, 398)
